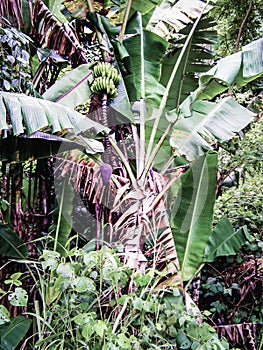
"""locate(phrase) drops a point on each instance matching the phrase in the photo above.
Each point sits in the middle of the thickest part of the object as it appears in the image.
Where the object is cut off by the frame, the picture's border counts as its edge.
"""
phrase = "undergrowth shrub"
(91, 300)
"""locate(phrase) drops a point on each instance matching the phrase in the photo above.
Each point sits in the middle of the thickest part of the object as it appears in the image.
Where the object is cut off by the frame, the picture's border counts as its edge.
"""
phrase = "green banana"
(106, 79)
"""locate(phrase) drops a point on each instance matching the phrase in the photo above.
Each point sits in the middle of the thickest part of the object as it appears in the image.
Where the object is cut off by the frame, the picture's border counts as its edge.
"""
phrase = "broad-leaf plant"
(145, 74)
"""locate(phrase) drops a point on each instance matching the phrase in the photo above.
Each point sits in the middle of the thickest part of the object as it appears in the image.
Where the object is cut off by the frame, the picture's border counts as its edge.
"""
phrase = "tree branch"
(243, 24)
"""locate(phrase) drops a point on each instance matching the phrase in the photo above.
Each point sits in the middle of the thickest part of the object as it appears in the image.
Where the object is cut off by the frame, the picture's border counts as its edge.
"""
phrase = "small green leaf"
(14, 279)
(4, 315)
(83, 284)
(123, 341)
(90, 259)
(182, 341)
(19, 297)
(133, 339)
(50, 259)
(81, 319)
(16, 276)
(138, 304)
(158, 326)
(65, 270)
(87, 331)
(100, 328)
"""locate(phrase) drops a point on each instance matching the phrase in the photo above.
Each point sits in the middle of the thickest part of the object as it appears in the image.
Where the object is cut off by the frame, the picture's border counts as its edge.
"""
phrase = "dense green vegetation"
(131, 166)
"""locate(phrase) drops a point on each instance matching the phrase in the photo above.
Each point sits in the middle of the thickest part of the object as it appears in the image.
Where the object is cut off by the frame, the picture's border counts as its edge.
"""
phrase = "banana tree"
(156, 87)
(161, 191)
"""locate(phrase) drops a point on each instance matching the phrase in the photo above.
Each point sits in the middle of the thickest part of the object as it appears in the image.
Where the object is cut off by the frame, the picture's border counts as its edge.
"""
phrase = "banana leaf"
(145, 6)
(176, 16)
(55, 6)
(192, 213)
(220, 119)
(13, 332)
(62, 216)
(41, 145)
(240, 68)
(142, 65)
(225, 241)
(73, 89)
(36, 114)
(11, 245)
(197, 58)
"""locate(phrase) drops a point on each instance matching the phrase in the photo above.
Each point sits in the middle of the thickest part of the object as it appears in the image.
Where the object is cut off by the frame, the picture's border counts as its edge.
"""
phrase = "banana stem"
(104, 115)
(125, 20)
(155, 151)
(104, 112)
(125, 163)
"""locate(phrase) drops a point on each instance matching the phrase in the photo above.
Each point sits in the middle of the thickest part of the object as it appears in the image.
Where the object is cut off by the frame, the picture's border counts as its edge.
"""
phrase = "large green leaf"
(145, 51)
(13, 332)
(196, 58)
(221, 119)
(241, 68)
(73, 89)
(145, 6)
(37, 114)
(225, 241)
(120, 107)
(63, 215)
(11, 245)
(192, 213)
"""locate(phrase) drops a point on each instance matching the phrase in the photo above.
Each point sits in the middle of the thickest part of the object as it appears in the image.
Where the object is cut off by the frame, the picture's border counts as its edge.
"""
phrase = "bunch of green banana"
(106, 79)
(104, 85)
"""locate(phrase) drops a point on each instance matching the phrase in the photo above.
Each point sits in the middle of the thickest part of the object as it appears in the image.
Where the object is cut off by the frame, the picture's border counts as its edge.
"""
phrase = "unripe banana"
(106, 79)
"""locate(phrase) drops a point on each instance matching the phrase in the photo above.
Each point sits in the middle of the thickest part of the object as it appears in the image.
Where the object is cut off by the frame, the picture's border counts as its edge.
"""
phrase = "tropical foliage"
(144, 177)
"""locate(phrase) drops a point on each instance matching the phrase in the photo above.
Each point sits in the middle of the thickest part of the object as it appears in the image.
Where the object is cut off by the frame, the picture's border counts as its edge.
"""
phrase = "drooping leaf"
(13, 332)
(225, 241)
(241, 68)
(61, 38)
(100, 328)
(16, 12)
(221, 119)
(73, 89)
(41, 145)
(192, 213)
(83, 284)
(143, 68)
(37, 114)
(11, 245)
